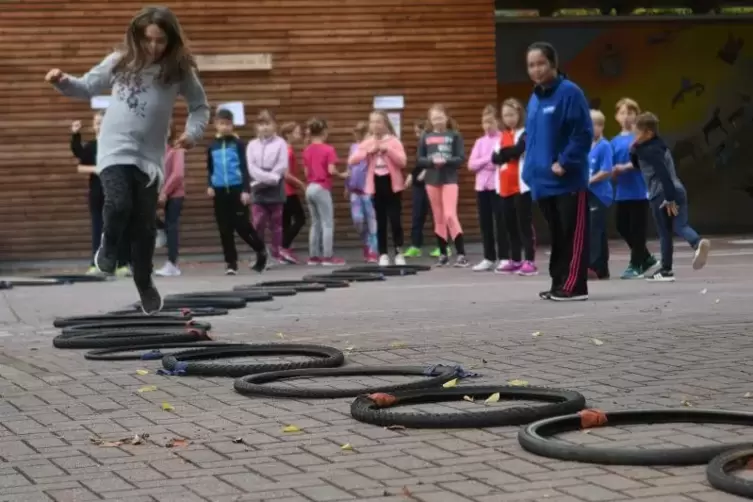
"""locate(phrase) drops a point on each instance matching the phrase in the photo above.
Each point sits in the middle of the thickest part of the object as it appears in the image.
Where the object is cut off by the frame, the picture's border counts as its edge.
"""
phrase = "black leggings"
(130, 206)
(293, 219)
(517, 210)
(387, 206)
(632, 227)
(232, 218)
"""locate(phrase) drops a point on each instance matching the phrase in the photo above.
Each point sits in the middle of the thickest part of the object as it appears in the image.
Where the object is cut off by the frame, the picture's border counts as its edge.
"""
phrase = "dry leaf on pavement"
(451, 383)
(492, 399)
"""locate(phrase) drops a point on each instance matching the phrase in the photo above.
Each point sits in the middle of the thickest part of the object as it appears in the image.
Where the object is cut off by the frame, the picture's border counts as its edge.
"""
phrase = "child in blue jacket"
(559, 134)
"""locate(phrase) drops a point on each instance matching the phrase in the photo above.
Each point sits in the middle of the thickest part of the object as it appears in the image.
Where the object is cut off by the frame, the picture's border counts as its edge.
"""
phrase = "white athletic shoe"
(483, 266)
(400, 260)
(384, 260)
(168, 270)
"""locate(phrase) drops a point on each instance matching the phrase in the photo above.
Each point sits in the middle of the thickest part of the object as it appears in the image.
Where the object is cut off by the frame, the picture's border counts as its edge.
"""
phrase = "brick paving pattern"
(664, 345)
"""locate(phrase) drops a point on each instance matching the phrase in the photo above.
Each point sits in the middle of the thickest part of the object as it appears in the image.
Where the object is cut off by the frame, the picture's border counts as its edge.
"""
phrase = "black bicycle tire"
(301, 286)
(719, 472)
(252, 385)
(373, 267)
(64, 322)
(193, 312)
(122, 339)
(561, 401)
(328, 281)
(75, 278)
(534, 437)
(230, 302)
(324, 357)
(32, 282)
(112, 353)
(386, 272)
(349, 277)
(138, 324)
(5, 285)
(250, 296)
(270, 291)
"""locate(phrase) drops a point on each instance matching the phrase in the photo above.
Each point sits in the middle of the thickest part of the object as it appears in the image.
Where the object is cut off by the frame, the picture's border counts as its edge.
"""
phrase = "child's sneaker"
(462, 262)
(400, 260)
(661, 275)
(103, 263)
(527, 269)
(124, 272)
(701, 254)
(261, 262)
(563, 296)
(168, 270)
(483, 266)
(151, 300)
(333, 262)
(413, 252)
(631, 273)
(314, 261)
(650, 263)
(436, 253)
(442, 261)
(231, 271)
(508, 267)
(384, 260)
(288, 256)
(92, 271)
(372, 258)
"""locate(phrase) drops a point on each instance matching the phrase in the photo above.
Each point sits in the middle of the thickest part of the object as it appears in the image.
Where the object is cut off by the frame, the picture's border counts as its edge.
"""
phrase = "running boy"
(630, 193)
(599, 198)
(229, 186)
(667, 195)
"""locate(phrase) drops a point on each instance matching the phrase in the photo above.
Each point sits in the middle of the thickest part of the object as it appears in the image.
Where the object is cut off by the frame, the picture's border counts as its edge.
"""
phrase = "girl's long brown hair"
(452, 125)
(387, 121)
(175, 63)
(516, 105)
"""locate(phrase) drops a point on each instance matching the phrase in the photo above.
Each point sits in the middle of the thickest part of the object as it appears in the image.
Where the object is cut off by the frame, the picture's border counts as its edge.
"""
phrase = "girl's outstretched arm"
(198, 108)
(95, 81)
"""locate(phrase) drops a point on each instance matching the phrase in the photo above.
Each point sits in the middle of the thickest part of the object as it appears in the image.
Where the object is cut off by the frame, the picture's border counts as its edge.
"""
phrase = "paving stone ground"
(664, 345)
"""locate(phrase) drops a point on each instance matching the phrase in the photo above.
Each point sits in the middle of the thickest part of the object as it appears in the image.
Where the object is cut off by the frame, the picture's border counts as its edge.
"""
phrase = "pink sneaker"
(372, 257)
(314, 260)
(288, 256)
(528, 268)
(332, 262)
(508, 267)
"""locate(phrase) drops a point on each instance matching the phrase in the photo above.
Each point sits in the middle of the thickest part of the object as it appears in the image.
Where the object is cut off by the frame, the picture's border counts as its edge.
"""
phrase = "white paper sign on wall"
(238, 111)
(389, 102)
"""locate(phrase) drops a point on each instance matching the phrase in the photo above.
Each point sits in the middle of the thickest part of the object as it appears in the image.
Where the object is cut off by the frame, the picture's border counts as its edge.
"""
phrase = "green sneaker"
(92, 271)
(650, 263)
(124, 272)
(436, 252)
(631, 273)
(412, 252)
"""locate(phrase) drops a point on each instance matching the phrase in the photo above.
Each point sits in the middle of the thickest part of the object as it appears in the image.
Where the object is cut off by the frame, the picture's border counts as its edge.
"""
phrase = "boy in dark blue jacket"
(666, 195)
(229, 186)
(558, 139)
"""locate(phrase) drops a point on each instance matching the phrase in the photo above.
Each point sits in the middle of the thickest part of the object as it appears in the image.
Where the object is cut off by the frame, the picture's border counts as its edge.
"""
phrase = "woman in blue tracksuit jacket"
(558, 138)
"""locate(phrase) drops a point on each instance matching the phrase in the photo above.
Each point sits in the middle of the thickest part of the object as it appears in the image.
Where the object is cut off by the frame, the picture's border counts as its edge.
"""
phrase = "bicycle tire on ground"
(249, 296)
(191, 362)
(138, 324)
(720, 472)
(117, 353)
(274, 291)
(64, 322)
(536, 437)
(192, 312)
(252, 385)
(375, 267)
(352, 277)
(328, 281)
(233, 302)
(73, 278)
(559, 401)
(385, 271)
(299, 286)
(107, 339)
(31, 281)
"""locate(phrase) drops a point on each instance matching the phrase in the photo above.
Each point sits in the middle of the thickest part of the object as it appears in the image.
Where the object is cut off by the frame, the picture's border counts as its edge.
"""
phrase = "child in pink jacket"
(171, 197)
(384, 181)
(267, 159)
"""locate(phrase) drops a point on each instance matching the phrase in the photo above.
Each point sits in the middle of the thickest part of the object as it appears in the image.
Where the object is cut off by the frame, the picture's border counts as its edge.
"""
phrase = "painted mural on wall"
(698, 78)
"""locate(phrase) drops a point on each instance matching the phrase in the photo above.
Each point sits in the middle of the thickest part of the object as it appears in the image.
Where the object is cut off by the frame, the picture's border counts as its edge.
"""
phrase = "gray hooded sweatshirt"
(135, 126)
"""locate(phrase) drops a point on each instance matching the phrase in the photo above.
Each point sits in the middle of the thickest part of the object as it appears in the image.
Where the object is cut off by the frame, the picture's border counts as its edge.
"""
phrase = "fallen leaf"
(451, 383)
(167, 407)
(748, 395)
(238, 441)
(536, 333)
(395, 427)
(104, 443)
(596, 341)
(346, 447)
(717, 300)
(469, 399)
(136, 439)
(517, 383)
(686, 403)
(148, 388)
(176, 443)
(382, 400)
(492, 399)
(398, 345)
(280, 336)
(291, 428)
(704, 291)
(142, 372)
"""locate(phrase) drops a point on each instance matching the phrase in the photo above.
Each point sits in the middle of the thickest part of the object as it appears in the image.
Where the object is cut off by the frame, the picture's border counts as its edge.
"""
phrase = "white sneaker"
(400, 260)
(483, 266)
(161, 240)
(701, 254)
(384, 260)
(168, 270)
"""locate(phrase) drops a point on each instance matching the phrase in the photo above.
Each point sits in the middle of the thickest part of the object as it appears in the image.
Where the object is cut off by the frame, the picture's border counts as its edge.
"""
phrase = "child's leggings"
(443, 200)
(364, 219)
(269, 215)
(321, 232)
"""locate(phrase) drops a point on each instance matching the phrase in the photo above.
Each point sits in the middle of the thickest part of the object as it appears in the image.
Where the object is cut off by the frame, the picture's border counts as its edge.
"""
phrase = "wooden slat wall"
(330, 58)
